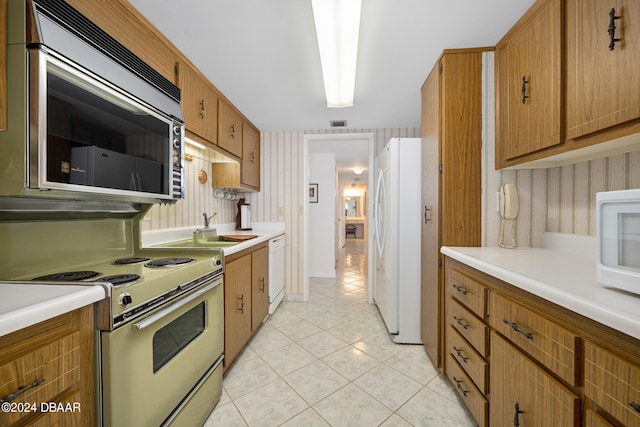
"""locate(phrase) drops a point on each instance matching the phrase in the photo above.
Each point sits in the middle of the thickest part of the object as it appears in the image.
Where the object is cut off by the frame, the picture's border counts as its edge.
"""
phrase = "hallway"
(330, 362)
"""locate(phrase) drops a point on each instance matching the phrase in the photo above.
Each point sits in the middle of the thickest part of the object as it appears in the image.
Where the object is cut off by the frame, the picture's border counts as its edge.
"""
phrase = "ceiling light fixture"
(357, 171)
(337, 29)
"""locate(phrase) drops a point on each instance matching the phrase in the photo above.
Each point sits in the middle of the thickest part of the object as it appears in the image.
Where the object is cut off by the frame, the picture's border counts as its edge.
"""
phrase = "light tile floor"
(330, 362)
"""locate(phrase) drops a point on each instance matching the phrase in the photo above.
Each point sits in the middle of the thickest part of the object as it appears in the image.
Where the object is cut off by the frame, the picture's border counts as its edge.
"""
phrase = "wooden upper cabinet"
(528, 84)
(250, 156)
(125, 24)
(199, 103)
(229, 129)
(603, 88)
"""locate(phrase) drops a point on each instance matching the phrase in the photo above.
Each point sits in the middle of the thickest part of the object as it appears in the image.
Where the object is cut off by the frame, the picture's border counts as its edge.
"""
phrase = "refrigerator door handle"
(380, 204)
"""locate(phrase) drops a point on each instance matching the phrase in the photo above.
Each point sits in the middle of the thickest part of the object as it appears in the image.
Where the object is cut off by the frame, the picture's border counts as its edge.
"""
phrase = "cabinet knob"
(612, 29)
(202, 108)
(233, 131)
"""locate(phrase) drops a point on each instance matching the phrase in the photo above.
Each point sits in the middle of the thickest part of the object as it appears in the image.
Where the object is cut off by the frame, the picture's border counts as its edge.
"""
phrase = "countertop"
(263, 231)
(23, 304)
(565, 278)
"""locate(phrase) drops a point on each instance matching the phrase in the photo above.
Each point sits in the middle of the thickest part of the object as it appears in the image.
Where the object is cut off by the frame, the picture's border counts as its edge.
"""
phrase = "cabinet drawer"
(469, 326)
(475, 401)
(52, 373)
(468, 291)
(613, 383)
(468, 358)
(546, 341)
(592, 419)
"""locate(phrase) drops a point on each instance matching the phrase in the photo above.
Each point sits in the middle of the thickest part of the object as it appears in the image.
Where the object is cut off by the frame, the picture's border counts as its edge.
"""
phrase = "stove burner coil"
(168, 262)
(120, 279)
(69, 276)
(130, 260)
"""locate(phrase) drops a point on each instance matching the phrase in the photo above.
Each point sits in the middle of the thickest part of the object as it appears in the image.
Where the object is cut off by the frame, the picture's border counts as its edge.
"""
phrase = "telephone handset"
(509, 205)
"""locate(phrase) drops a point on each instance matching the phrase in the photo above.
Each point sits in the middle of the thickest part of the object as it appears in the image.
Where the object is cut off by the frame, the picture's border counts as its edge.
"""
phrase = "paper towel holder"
(243, 217)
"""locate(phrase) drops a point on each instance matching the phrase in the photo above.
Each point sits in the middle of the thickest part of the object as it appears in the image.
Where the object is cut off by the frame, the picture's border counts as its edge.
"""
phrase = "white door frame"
(307, 138)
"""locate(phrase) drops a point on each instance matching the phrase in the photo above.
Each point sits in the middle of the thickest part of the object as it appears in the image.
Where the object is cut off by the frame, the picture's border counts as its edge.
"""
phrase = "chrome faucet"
(206, 219)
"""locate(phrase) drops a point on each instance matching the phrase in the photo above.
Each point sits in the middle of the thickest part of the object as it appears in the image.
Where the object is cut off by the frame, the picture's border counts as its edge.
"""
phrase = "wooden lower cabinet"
(260, 286)
(559, 367)
(612, 383)
(246, 298)
(523, 392)
(237, 307)
(53, 362)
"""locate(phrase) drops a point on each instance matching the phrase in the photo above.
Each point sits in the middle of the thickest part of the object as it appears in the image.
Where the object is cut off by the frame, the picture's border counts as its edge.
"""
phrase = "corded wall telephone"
(509, 205)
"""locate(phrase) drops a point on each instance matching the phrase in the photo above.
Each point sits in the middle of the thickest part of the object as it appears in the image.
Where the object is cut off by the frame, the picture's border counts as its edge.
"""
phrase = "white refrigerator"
(396, 287)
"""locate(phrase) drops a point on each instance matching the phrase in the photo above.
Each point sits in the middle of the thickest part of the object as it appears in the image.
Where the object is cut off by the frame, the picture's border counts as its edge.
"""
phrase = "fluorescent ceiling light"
(337, 28)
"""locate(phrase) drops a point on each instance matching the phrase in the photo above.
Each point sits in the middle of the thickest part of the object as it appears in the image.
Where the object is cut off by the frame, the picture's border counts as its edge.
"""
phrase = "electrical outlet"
(300, 211)
(280, 211)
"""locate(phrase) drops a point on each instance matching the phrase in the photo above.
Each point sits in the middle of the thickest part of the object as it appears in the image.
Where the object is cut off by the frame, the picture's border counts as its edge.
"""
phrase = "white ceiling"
(263, 55)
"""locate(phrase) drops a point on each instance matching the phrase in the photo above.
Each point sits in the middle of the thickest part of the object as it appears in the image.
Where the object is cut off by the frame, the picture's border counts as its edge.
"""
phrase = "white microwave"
(618, 236)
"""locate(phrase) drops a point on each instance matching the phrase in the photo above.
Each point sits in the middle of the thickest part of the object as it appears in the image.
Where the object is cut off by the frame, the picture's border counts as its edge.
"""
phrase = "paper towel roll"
(245, 217)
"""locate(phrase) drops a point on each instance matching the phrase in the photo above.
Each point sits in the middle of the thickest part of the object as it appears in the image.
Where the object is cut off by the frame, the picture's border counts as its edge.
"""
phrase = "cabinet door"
(603, 88)
(122, 21)
(250, 156)
(528, 84)
(3, 65)
(260, 286)
(431, 297)
(237, 306)
(199, 104)
(523, 392)
(229, 129)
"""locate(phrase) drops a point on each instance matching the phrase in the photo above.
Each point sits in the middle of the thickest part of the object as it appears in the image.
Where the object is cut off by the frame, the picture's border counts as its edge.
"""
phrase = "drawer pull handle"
(612, 29)
(516, 415)
(460, 354)
(241, 299)
(635, 406)
(460, 289)
(519, 330)
(459, 385)
(262, 284)
(461, 322)
(524, 89)
(22, 390)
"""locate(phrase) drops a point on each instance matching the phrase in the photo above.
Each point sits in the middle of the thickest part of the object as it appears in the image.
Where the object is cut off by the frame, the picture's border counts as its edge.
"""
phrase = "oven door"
(150, 364)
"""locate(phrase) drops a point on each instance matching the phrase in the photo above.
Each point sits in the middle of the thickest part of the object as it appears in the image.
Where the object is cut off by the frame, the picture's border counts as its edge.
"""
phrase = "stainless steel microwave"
(87, 119)
(618, 236)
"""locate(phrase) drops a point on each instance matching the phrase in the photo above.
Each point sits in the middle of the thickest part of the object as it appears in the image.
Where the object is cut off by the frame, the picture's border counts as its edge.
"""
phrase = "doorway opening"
(334, 182)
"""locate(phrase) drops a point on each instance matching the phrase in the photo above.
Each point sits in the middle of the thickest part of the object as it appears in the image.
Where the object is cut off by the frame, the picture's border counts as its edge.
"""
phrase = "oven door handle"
(148, 321)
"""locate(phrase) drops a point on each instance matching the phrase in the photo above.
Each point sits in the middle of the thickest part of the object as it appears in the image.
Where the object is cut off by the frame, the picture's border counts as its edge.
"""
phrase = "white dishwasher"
(276, 271)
